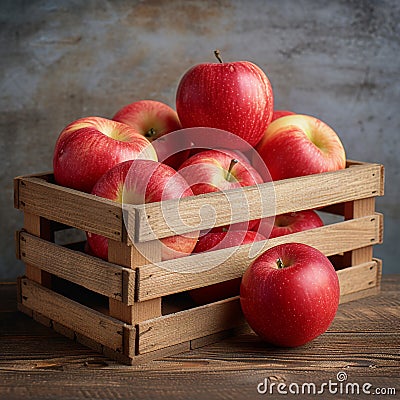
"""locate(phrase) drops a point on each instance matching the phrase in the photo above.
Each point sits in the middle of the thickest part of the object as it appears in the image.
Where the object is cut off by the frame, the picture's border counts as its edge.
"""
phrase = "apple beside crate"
(131, 309)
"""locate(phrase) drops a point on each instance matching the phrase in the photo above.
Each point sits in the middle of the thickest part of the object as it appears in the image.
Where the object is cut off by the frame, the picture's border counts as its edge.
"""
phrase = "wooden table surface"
(363, 342)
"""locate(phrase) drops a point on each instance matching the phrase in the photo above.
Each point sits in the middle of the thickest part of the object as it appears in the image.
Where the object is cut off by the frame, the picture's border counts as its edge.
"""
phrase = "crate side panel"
(71, 207)
(139, 359)
(216, 337)
(208, 268)
(80, 319)
(91, 272)
(374, 287)
(361, 294)
(190, 324)
(359, 277)
(273, 198)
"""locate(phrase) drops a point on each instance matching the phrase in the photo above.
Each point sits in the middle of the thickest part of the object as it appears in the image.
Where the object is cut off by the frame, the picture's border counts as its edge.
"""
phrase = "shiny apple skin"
(207, 171)
(138, 182)
(298, 145)
(293, 305)
(154, 120)
(236, 97)
(146, 115)
(286, 224)
(88, 147)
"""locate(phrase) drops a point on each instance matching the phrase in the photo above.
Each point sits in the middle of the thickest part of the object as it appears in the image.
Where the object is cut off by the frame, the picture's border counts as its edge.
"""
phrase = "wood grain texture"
(103, 329)
(39, 227)
(157, 220)
(131, 257)
(91, 272)
(357, 280)
(273, 198)
(189, 324)
(356, 209)
(135, 312)
(71, 207)
(200, 269)
(363, 341)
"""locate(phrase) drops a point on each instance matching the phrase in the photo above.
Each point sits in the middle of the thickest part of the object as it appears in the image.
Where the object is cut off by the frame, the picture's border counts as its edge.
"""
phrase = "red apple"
(150, 118)
(139, 182)
(297, 145)
(154, 120)
(89, 147)
(289, 295)
(219, 170)
(205, 138)
(216, 241)
(236, 97)
(285, 224)
(281, 113)
(239, 155)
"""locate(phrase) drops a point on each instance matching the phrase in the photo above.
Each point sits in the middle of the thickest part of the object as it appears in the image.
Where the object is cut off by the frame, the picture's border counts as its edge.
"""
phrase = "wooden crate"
(132, 309)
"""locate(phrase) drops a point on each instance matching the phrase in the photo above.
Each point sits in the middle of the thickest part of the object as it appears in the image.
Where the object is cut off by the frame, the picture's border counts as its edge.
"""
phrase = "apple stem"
(150, 133)
(279, 263)
(217, 54)
(231, 165)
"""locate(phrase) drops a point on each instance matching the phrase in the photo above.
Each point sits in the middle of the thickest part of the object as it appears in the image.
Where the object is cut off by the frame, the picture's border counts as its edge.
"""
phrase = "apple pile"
(137, 157)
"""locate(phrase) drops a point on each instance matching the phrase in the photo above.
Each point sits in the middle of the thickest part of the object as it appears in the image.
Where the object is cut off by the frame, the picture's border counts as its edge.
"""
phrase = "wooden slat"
(216, 337)
(70, 207)
(135, 312)
(130, 257)
(189, 324)
(129, 340)
(91, 272)
(356, 209)
(350, 163)
(351, 291)
(313, 191)
(357, 278)
(199, 269)
(46, 176)
(39, 227)
(105, 330)
(361, 294)
(142, 359)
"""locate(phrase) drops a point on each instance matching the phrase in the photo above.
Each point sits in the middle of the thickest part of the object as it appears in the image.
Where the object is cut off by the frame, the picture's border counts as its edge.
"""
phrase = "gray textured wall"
(61, 60)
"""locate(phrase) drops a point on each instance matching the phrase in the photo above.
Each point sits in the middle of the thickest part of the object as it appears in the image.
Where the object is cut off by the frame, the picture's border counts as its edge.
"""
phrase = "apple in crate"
(89, 147)
(154, 119)
(290, 294)
(216, 170)
(139, 182)
(220, 170)
(296, 145)
(285, 224)
(150, 118)
(215, 241)
(281, 113)
(233, 96)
